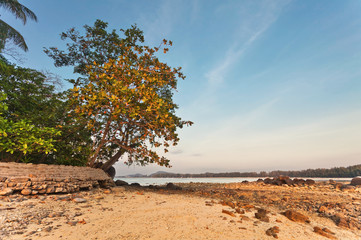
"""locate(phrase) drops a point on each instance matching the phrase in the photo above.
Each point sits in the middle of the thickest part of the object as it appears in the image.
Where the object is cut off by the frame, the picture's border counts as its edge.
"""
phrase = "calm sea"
(162, 181)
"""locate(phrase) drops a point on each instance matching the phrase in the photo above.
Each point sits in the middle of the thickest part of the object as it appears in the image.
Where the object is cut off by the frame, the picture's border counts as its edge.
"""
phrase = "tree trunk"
(113, 159)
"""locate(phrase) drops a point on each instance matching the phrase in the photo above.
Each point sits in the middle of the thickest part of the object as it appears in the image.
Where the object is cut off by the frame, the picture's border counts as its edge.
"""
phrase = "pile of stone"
(28, 186)
(32, 179)
(281, 180)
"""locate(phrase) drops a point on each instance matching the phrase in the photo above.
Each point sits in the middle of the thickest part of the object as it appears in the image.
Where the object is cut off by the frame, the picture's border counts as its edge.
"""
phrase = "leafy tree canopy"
(33, 105)
(21, 137)
(125, 94)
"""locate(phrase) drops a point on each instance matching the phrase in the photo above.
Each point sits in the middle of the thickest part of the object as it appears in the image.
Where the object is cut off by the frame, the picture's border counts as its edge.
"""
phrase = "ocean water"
(163, 181)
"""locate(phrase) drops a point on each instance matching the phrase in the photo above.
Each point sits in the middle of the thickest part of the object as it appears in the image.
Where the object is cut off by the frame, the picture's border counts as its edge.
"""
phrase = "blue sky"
(270, 84)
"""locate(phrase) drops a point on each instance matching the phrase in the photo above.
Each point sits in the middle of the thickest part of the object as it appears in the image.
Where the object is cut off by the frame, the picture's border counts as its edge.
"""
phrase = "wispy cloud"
(176, 152)
(267, 14)
(159, 24)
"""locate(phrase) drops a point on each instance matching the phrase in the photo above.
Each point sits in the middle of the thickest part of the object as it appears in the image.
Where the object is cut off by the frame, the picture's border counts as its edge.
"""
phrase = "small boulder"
(331, 181)
(338, 186)
(26, 191)
(323, 232)
(121, 183)
(79, 200)
(273, 231)
(340, 221)
(111, 172)
(6, 192)
(267, 181)
(356, 181)
(261, 214)
(322, 209)
(296, 216)
(280, 180)
(299, 181)
(348, 188)
(228, 212)
(310, 182)
(171, 186)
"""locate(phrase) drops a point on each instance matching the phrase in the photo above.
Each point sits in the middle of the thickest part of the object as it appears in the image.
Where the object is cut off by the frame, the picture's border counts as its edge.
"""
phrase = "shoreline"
(198, 211)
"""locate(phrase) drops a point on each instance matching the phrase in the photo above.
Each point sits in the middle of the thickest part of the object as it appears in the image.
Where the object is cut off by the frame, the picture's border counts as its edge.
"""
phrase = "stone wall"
(28, 178)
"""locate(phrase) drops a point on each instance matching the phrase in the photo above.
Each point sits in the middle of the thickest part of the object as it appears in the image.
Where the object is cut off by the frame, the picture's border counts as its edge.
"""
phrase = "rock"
(328, 231)
(322, 232)
(261, 214)
(72, 223)
(280, 180)
(228, 212)
(248, 206)
(107, 191)
(50, 189)
(331, 181)
(338, 186)
(240, 211)
(135, 185)
(322, 209)
(260, 180)
(340, 220)
(268, 181)
(348, 188)
(228, 203)
(310, 182)
(171, 186)
(296, 216)
(6, 192)
(26, 191)
(273, 231)
(79, 200)
(121, 183)
(356, 181)
(245, 218)
(111, 172)
(299, 181)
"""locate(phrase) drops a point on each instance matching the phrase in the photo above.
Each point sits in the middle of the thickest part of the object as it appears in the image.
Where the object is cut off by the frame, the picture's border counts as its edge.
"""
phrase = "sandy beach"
(198, 211)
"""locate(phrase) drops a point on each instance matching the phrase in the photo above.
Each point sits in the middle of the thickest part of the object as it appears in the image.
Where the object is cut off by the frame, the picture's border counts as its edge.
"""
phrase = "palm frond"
(19, 10)
(8, 32)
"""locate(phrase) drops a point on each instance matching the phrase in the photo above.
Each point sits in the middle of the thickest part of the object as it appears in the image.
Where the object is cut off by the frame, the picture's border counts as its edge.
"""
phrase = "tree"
(31, 99)
(8, 32)
(21, 137)
(97, 45)
(125, 94)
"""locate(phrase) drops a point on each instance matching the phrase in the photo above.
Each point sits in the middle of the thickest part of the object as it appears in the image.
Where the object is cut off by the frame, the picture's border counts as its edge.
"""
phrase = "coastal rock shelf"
(41, 178)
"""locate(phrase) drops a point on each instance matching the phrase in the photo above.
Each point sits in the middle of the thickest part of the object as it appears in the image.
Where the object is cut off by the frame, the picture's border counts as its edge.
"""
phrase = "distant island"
(336, 172)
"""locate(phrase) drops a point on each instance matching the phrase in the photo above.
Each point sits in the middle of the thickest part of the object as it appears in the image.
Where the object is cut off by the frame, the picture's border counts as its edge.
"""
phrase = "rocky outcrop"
(285, 180)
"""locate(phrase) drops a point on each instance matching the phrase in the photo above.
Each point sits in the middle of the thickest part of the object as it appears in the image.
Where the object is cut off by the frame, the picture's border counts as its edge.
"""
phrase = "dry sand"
(129, 213)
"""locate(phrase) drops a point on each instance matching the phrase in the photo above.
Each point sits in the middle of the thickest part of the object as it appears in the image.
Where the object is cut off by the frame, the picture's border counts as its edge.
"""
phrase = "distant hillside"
(337, 172)
(138, 175)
